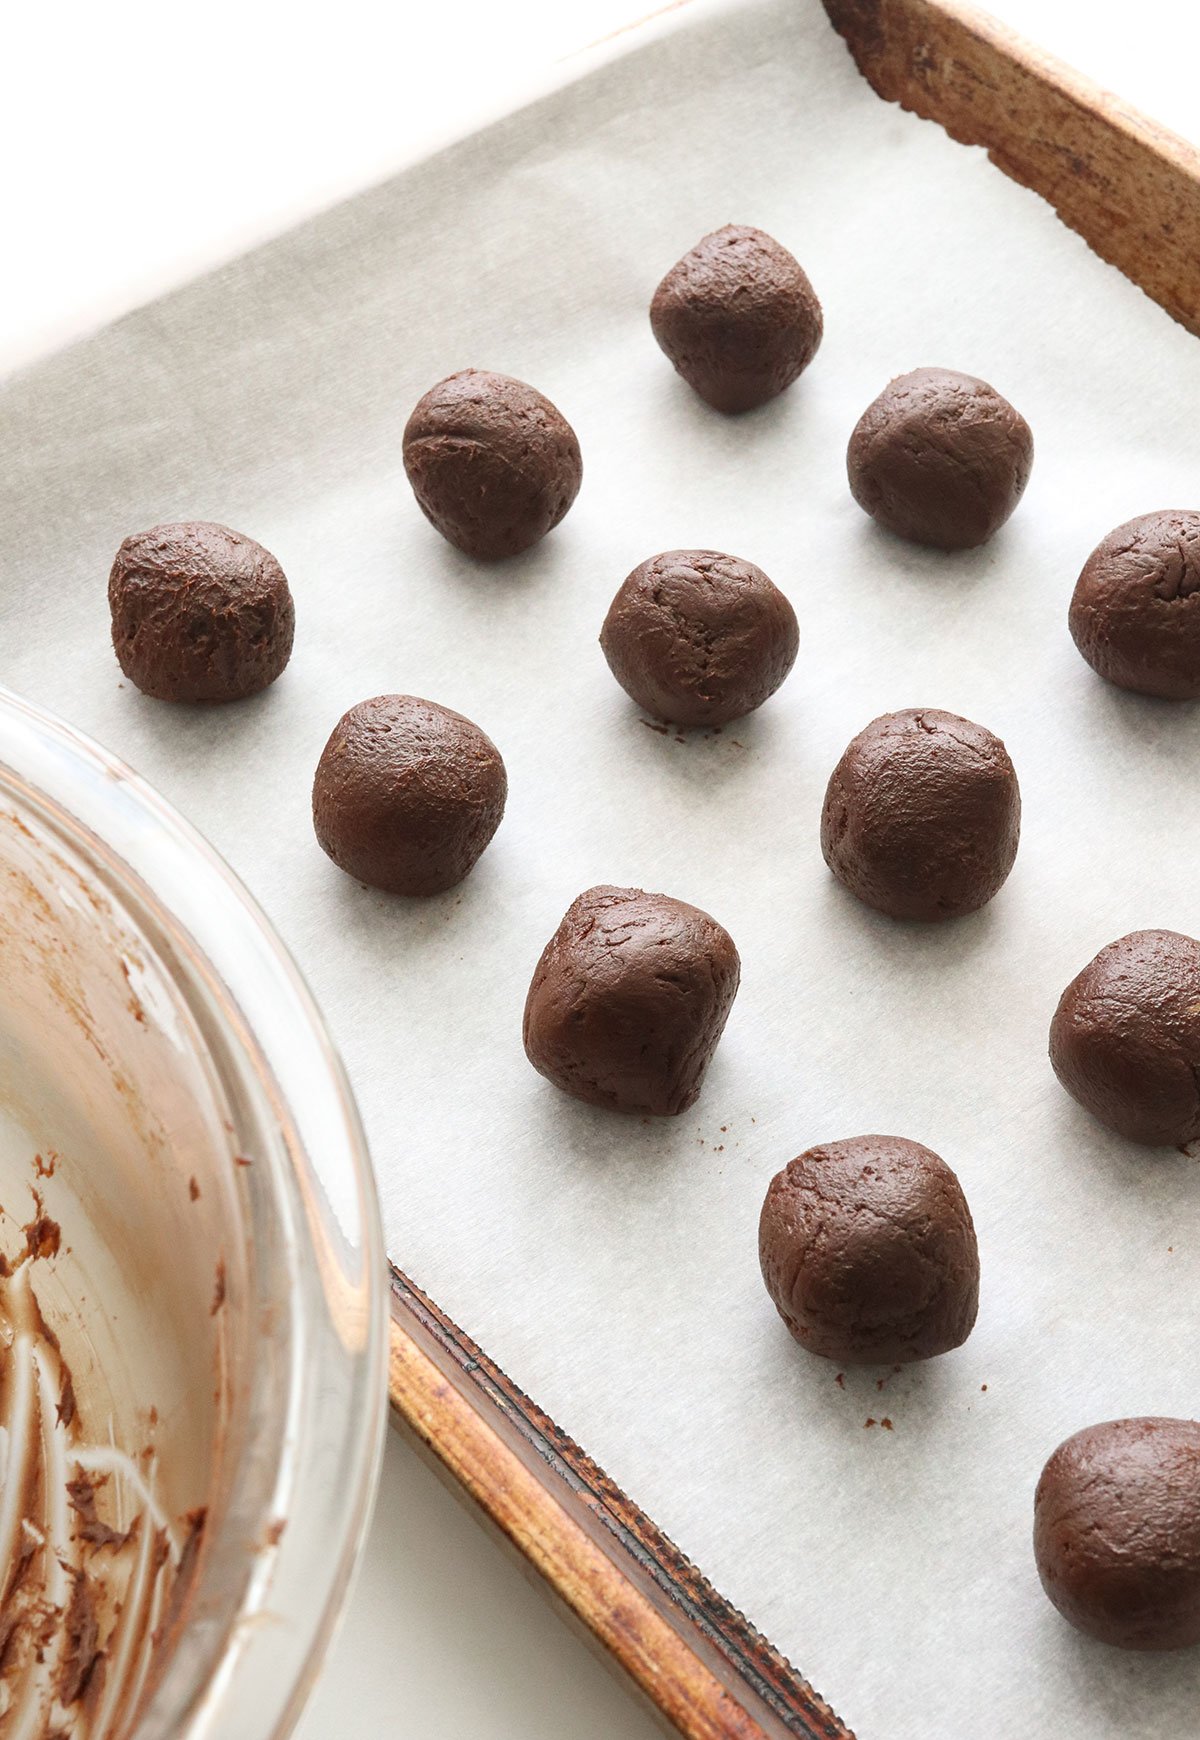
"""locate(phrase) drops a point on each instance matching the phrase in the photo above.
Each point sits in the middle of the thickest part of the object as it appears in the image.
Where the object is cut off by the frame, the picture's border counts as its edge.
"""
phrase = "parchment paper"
(611, 1265)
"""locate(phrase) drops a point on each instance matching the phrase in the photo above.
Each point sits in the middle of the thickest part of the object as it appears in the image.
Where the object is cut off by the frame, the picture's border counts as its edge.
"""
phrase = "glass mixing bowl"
(192, 1281)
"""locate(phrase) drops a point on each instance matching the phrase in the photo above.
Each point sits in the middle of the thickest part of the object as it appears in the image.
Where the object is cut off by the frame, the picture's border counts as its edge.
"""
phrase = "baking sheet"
(609, 1265)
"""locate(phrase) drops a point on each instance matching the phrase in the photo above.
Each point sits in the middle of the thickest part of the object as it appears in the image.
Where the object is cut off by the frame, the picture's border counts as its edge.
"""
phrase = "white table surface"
(144, 143)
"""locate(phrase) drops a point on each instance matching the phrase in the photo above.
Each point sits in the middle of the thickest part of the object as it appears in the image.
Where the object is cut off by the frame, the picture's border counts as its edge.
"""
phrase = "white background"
(145, 143)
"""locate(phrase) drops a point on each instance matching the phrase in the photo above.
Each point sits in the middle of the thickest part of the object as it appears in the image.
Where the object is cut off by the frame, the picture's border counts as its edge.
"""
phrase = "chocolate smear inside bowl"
(187, 1334)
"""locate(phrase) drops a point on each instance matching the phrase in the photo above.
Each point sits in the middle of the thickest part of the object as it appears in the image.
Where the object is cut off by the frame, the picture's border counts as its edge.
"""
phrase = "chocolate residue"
(81, 1651)
(218, 1289)
(32, 1542)
(78, 1597)
(43, 1238)
(66, 1400)
(195, 1521)
(8, 1637)
(93, 1690)
(193, 1190)
(45, 1166)
(134, 1004)
(92, 1528)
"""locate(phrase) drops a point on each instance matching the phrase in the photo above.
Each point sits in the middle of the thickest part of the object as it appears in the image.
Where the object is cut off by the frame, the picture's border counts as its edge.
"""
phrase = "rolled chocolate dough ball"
(699, 638)
(492, 463)
(629, 1000)
(922, 815)
(199, 613)
(407, 794)
(1135, 615)
(738, 318)
(868, 1250)
(1116, 1532)
(1125, 1038)
(939, 458)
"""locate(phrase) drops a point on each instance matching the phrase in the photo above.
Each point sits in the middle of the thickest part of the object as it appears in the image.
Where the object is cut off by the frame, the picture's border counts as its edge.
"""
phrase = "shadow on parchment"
(1130, 1692)
(853, 1401)
(926, 952)
(1087, 1153)
(1142, 729)
(400, 929)
(948, 571)
(593, 1137)
(547, 563)
(680, 410)
(694, 760)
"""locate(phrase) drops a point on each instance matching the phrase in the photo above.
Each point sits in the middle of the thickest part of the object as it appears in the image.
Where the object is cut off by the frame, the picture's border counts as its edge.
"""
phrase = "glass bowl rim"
(148, 848)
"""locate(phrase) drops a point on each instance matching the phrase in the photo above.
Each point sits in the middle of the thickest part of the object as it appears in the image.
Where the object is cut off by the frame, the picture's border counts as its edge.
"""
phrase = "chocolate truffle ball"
(738, 318)
(199, 613)
(868, 1251)
(1116, 1532)
(1125, 1038)
(1135, 615)
(922, 815)
(940, 458)
(629, 1000)
(492, 463)
(407, 794)
(699, 638)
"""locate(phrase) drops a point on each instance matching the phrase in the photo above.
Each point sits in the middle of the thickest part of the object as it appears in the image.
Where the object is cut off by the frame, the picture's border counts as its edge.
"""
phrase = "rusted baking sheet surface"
(705, 1667)
(1128, 186)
